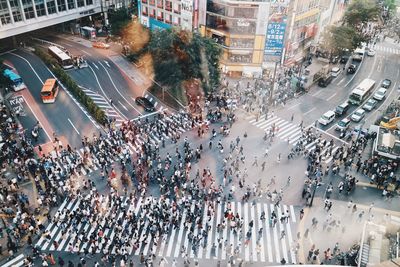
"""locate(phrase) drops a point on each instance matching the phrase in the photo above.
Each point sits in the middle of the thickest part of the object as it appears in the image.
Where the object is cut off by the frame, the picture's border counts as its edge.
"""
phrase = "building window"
(144, 1)
(241, 58)
(81, 3)
(89, 2)
(144, 11)
(248, 13)
(29, 14)
(160, 4)
(242, 43)
(168, 18)
(61, 5)
(160, 16)
(40, 10)
(168, 5)
(4, 16)
(51, 7)
(152, 2)
(177, 20)
(71, 4)
(17, 16)
(177, 8)
(152, 13)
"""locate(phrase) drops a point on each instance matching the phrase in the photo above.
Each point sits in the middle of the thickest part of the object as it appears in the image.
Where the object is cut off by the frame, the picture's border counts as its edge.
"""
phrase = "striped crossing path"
(267, 244)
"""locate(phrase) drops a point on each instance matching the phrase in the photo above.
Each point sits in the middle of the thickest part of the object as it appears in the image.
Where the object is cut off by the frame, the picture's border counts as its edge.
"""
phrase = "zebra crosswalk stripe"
(18, 261)
(267, 229)
(263, 242)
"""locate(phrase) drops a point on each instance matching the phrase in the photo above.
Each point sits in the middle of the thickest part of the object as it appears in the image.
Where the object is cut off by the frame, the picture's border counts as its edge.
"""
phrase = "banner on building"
(274, 40)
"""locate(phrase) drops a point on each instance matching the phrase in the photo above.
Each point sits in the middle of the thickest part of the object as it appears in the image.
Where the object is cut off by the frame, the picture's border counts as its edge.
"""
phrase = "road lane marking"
(104, 93)
(317, 93)
(34, 71)
(342, 80)
(95, 65)
(73, 126)
(294, 106)
(122, 105)
(112, 81)
(34, 114)
(331, 135)
(311, 110)
(87, 53)
(332, 96)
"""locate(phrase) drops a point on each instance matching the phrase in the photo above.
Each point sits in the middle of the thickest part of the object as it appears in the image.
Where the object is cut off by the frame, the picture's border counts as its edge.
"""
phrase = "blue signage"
(274, 41)
(158, 25)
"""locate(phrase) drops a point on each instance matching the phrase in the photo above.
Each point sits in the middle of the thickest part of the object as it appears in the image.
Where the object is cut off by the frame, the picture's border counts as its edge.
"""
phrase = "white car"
(335, 71)
(371, 53)
(327, 118)
(358, 115)
(380, 94)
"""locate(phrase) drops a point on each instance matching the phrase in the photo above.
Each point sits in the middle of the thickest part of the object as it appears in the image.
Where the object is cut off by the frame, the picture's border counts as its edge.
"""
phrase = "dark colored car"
(386, 83)
(145, 103)
(342, 109)
(352, 69)
(325, 81)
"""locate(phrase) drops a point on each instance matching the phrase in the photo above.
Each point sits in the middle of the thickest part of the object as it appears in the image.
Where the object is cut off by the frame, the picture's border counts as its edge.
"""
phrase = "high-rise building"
(251, 33)
(302, 28)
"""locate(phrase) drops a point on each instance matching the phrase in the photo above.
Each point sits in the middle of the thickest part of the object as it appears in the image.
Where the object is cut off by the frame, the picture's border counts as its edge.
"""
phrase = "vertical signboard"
(186, 14)
(275, 32)
(274, 41)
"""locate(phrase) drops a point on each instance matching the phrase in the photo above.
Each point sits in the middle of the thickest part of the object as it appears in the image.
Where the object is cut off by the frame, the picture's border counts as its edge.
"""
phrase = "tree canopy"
(119, 20)
(361, 11)
(340, 38)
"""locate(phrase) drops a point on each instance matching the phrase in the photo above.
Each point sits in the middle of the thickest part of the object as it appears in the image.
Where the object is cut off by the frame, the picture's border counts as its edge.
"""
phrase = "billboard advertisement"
(274, 40)
(158, 25)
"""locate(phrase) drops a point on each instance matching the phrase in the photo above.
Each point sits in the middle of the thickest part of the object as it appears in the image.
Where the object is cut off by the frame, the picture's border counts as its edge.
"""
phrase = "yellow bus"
(49, 91)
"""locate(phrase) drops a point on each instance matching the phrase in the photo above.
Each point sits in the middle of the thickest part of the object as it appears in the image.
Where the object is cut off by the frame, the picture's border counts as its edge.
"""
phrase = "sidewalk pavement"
(340, 224)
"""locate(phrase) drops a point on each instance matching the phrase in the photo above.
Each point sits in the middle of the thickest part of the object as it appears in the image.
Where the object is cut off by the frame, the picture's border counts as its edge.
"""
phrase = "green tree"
(361, 11)
(119, 19)
(339, 38)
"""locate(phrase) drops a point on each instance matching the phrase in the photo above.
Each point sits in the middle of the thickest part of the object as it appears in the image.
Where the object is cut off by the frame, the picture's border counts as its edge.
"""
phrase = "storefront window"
(242, 43)
(237, 58)
(236, 26)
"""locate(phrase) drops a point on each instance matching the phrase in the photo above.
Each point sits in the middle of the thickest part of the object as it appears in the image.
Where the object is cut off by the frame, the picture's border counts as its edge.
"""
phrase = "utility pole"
(273, 83)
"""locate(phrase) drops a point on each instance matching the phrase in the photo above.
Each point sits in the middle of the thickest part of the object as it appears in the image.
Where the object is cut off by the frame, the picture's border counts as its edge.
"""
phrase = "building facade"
(240, 28)
(20, 16)
(303, 21)
(164, 14)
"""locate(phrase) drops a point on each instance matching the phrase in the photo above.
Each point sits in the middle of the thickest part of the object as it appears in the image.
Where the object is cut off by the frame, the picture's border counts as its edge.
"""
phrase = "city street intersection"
(233, 197)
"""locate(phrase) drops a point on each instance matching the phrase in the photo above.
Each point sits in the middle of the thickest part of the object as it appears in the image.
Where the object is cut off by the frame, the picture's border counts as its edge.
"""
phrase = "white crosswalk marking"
(18, 261)
(265, 243)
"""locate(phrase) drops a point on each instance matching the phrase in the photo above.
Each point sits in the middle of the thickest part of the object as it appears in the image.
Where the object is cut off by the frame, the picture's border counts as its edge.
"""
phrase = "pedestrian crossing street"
(285, 130)
(103, 104)
(175, 122)
(292, 133)
(18, 261)
(386, 49)
(267, 244)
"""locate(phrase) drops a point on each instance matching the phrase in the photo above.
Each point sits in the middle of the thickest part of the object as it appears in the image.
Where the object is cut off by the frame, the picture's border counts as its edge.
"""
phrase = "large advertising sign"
(186, 14)
(274, 41)
(158, 25)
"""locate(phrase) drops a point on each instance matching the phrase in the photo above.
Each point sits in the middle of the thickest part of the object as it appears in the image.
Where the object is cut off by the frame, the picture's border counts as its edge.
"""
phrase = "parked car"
(386, 83)
(352, 69)
(343, 125)
(325, 81)
(370, 105)
(145, 103)
(380, 94)
(327, 118)
(358, 115)
(371, 53)
(342, 109)
(101, 45)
